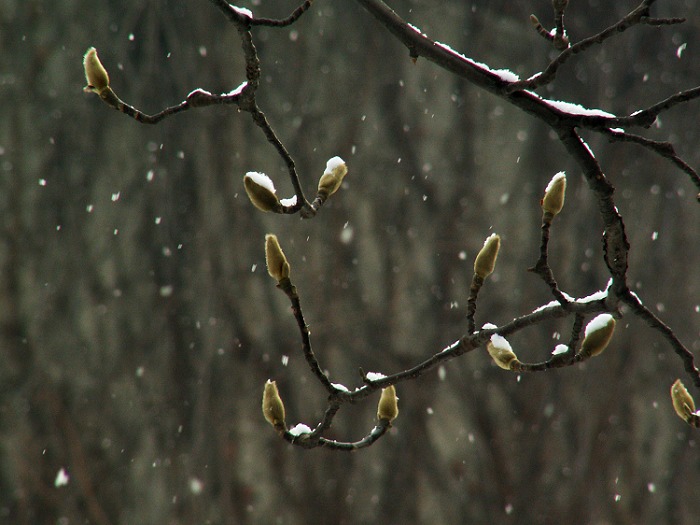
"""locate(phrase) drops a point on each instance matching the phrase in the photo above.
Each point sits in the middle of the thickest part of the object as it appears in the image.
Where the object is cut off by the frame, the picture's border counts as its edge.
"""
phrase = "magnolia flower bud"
(277, 265)
(597, 335)
(553, 200)
(485, 261)
(272, 406)
(501, 352)
(388, 407)
(332, 178)
(683, 402)
(261, 191)
(95, 73)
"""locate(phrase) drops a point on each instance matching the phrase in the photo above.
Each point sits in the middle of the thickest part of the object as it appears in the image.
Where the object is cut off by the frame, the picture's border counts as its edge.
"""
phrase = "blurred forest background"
(138, 324)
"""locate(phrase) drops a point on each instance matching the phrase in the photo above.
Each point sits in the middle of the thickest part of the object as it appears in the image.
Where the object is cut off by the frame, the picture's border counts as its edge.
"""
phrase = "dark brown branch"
(291, 292)
(542, 267)
(284, 21)
(639, 15)
(657, 324)
(664, 149)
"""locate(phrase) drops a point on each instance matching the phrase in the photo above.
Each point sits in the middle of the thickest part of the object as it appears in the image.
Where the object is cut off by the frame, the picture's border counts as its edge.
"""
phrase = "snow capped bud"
(95, 73)
(277, 265)
(597, 335)
(261, 191)
(388, 407)
(683, 402)
(553, 200)
(332, 178)
(501, 352)
(272, 406)
(485, 261)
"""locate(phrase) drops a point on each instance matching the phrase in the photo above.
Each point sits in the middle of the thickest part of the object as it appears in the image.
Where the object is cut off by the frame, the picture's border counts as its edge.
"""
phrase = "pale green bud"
(332, 178)
(277, 265)
(272, 406)
(683, 402)
(501, 352)
(95, 73)
(553, 200)
(261, 191)
(597, 335)
(388, 407)
(485, 261)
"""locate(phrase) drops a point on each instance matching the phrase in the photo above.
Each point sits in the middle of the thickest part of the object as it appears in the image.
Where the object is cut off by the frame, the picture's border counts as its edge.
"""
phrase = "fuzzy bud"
(277, 265)
(553, 200)
(388, 407)
(272, 406)
(683, 402)
(597, 335)
(95, 73)
(501, 352)
(261, 191)
(333, 177)
(485, 261)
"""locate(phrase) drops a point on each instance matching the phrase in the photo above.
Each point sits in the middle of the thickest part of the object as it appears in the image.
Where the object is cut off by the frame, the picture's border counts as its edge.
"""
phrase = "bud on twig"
(501, 352)
(261, 191)
(683, 402)
(553, 200)
(597, 335)
(388, 407)
(277, 265)
(332, 178)
(95, 73)
(272, 406)
(485, 261)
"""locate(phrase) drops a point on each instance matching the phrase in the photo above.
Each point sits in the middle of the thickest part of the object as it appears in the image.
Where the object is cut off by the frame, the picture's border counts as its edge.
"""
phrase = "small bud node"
(683, 402)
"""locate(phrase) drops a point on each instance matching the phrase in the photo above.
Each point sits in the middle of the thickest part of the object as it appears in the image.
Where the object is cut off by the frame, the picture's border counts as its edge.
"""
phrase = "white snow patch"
(596, 296)
(560, 349)
(416, 30)
(300, 429)
(242, 11)
(62, 478)
(501, 342)
(504, 74)
(374, 376)
(557, 177)
(597, 323)
(681, 48)
(236, 91)
(333, 163)
(262, 180)
(340, 387)
(488, 326)
(292, 201)
(573, 109)
(198, 91)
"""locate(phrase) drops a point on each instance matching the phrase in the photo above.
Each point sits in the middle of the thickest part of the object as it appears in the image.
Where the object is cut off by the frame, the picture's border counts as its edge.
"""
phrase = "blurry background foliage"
(138, 325)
